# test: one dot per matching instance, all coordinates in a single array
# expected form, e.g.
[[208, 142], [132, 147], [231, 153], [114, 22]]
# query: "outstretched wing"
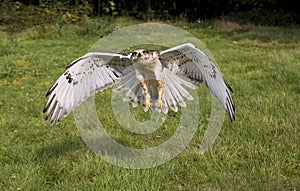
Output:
[[191, 62], [88, 74]]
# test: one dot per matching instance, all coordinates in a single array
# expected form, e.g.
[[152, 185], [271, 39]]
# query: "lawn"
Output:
[[259, 151]]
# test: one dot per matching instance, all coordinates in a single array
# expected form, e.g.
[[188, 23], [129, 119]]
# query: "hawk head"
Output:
[[144, 56]]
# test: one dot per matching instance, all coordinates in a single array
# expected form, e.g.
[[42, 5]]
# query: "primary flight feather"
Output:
[[153, 78]]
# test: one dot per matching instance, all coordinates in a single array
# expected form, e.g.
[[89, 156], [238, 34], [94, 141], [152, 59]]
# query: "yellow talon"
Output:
[[159, 103], [147, 104]]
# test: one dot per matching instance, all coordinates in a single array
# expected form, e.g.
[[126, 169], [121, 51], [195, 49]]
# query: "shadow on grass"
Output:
[[59, 149]]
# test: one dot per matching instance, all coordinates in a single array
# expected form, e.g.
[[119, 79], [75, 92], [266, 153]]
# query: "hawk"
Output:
[[156, 79]]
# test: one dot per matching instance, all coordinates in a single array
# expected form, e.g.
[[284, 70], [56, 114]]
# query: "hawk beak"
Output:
[[139, 54]]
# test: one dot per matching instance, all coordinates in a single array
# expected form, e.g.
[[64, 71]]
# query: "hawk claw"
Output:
[[159, 103], [147, 104]]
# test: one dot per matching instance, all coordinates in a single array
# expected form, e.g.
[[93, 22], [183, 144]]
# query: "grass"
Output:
[[259, 151]]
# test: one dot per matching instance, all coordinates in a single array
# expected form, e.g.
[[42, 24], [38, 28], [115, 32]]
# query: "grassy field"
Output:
[[259, 151]]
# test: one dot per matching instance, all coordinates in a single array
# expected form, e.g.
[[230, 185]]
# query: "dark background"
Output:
[[258, 12]]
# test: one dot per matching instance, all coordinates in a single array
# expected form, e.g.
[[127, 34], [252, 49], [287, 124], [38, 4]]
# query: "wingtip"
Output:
[[232, 118], [228, 86], [230, 111], [44, 110], [49, 102], [51, 89]]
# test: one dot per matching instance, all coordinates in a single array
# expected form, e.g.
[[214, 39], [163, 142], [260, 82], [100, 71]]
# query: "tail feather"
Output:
[[174, 92]]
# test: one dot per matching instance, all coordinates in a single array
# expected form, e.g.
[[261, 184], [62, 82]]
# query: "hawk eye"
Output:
[[146, 51]]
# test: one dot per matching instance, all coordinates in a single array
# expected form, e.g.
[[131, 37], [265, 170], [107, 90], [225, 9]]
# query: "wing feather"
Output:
[[170, 100], [187, 60], [88, 74]]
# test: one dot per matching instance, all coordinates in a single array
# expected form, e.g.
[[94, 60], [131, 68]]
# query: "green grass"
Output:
[[259, 151]]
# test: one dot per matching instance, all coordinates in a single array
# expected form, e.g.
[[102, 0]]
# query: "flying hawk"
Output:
[[154, 78]]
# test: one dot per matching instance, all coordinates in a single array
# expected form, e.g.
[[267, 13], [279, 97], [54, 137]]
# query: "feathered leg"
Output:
[[160, 89], [144, 85]]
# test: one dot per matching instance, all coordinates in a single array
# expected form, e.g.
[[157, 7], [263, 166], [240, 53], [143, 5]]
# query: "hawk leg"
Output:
[[146, 94], [160, 89]]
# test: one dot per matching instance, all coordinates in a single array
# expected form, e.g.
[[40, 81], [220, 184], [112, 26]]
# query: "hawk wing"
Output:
[[88, 74], [194, 64]]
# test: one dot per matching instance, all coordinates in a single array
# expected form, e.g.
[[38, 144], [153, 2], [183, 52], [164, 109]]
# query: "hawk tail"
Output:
[[173, 94]]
